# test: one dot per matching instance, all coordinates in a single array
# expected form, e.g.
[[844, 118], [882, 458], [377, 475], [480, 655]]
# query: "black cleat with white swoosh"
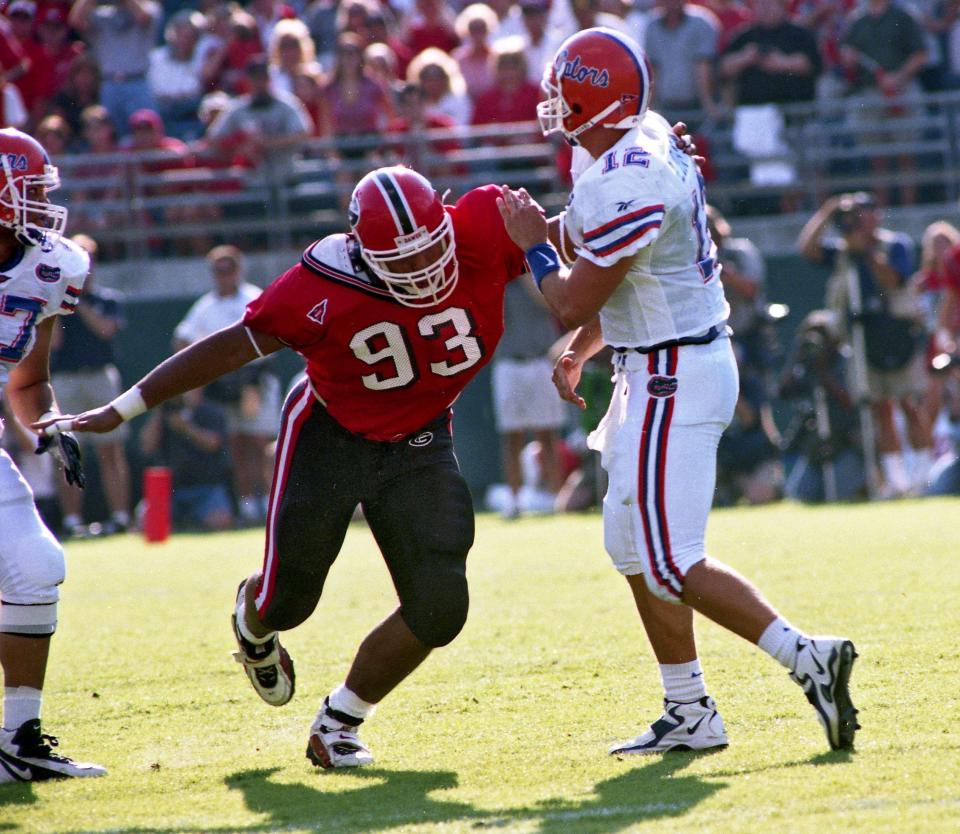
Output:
[[26, 755], [823, 670]]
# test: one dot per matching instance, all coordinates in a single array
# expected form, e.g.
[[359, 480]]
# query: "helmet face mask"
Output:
[[405, 236], [598, 77], [26, 178], [420, 272]]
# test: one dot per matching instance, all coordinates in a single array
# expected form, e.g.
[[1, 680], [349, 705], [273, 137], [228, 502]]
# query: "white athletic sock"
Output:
[[346, 701], [895, 471], [20, 704], [779, 640], [245, 632], [71, 520], [683, 682]]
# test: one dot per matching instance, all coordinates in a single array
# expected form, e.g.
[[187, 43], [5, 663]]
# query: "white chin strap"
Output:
[[595, 120]]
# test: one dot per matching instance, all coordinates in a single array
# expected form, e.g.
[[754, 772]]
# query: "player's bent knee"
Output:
[[35, 566], [668, 583], [438, 615], [665, 592]]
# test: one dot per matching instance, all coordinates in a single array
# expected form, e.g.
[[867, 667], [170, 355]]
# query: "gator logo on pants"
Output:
[[662, 386]]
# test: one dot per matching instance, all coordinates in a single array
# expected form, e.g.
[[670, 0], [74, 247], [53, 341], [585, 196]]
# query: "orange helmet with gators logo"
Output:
[[599, 76], [26, 178]]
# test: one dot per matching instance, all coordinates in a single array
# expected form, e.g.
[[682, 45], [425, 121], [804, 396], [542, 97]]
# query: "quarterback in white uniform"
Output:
[[644, 280], [41, 276]]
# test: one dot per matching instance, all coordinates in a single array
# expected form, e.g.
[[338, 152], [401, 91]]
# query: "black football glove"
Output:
[[66, 451]]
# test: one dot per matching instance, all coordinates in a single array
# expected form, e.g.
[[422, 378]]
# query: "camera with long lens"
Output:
[[851, 206]]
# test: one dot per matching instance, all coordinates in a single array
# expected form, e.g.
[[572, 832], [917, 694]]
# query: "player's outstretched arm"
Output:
[[194, 366]]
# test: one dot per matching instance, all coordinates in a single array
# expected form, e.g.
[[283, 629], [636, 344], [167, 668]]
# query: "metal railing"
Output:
[[148, 205]]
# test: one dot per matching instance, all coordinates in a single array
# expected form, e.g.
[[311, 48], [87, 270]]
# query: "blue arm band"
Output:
[[542, 260]]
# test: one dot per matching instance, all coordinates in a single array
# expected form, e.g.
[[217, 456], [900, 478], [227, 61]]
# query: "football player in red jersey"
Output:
[[393, 319], [41, 277]]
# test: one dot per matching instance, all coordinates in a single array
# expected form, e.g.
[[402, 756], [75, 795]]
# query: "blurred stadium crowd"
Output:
[[204, 96]]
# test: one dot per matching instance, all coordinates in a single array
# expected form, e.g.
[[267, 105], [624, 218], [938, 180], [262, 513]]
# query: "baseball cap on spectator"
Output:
[[52, 14], [146, 118], [27, 7], [535, 5]]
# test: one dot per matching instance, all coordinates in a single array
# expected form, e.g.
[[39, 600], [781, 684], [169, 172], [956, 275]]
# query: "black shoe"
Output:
[[26, 755]]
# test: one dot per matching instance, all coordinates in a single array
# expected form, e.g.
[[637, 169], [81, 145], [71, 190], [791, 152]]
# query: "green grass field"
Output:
[[507, 728]]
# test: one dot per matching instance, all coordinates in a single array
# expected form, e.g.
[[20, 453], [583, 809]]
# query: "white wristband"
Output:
[[129, 404]]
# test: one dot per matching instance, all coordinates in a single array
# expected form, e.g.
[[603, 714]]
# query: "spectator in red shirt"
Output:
[[378, 31], [948, 315], [431, 25], [239, 42], [147, 134], [511, 98], [21, 15], [51, 55], [474, 27], [12, 60], [939, 269], [167, 155]]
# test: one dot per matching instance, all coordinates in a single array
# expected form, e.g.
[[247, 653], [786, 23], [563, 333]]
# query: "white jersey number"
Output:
[[26, 311], [388, 341]]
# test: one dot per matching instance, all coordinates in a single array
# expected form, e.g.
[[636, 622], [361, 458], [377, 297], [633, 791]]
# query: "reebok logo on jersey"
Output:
[[625, 205], [662, 386], [422, 439], [48, 274]]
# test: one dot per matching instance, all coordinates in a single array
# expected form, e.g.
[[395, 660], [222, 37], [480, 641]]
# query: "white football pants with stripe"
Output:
[[31, 560], [658, 442]]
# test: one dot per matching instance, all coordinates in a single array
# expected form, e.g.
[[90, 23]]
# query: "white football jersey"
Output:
[[43, 283], [643, 199]]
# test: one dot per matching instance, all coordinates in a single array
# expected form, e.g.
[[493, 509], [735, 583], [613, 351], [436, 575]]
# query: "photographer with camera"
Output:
[[868, 288], [822, 442], [189, 434]]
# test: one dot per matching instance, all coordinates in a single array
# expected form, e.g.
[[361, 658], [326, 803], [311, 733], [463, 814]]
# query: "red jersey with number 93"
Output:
[[382, 369]]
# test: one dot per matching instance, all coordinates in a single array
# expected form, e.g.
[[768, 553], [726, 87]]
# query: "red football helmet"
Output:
[[598, 77], [27, 177], [405, 235]]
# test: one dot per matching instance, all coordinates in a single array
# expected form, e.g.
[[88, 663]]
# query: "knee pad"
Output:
[[31, 568], [437, 611]]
